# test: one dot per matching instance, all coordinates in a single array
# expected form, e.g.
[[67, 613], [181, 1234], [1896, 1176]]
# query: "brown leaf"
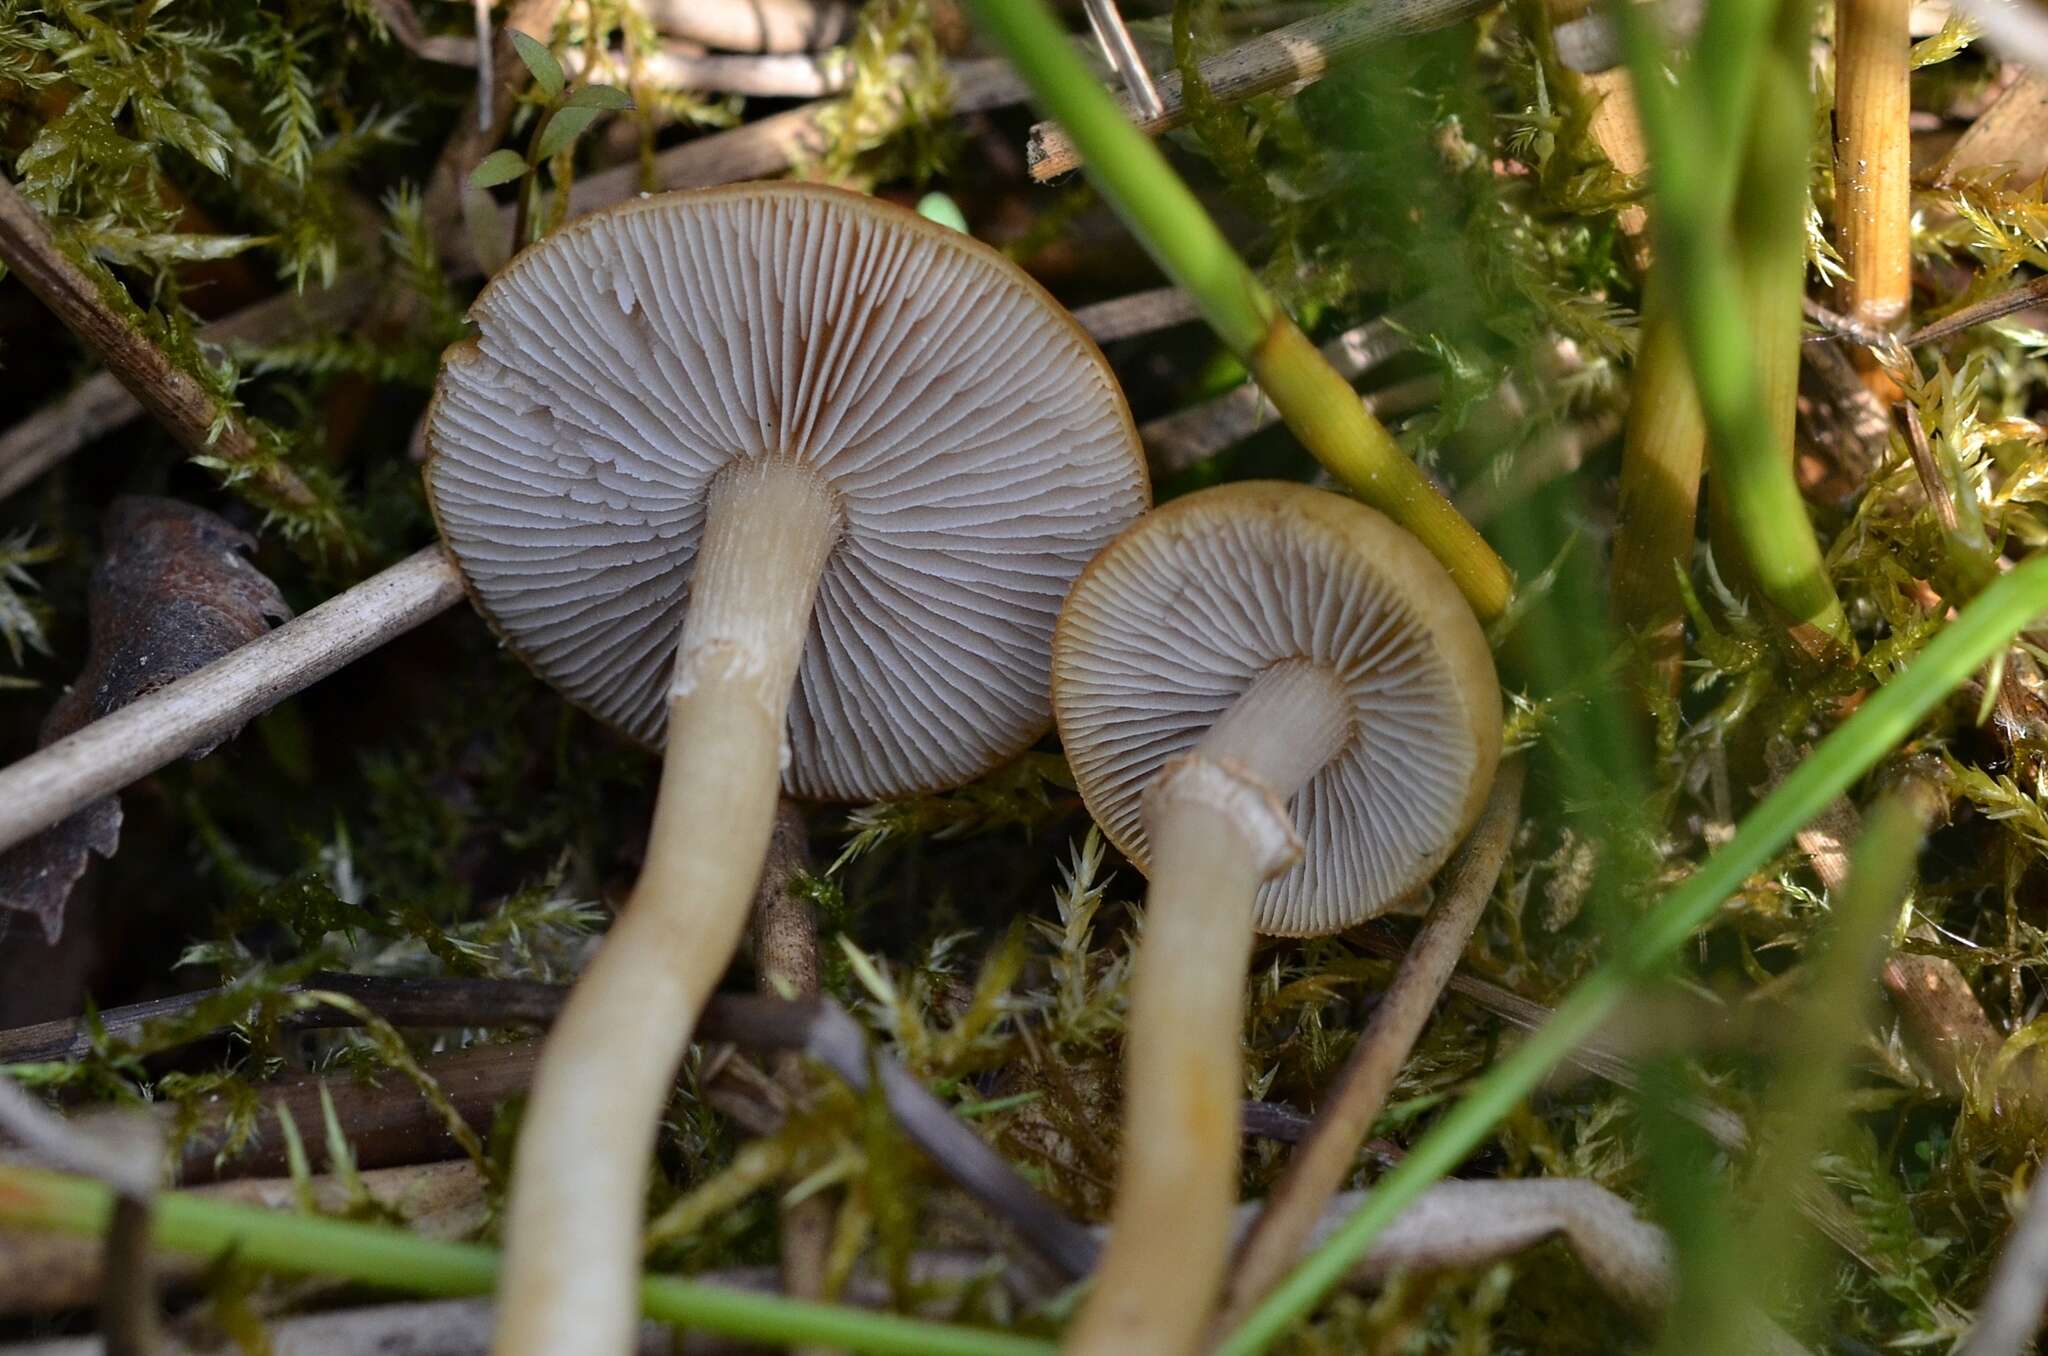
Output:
[[174, 591]]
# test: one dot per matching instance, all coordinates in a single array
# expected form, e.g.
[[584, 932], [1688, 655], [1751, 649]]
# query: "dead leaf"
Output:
[[174, 591]]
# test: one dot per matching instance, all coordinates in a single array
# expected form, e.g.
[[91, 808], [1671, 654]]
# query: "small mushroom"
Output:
[[1280, 707], [790, 483]]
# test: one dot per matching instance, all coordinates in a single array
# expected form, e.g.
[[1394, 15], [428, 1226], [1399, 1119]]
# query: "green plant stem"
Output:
[[383, 1256], [1666, 439], [1752, 464], [1811, 1078], [1891, 713], [1663, 450], [1314, 401]]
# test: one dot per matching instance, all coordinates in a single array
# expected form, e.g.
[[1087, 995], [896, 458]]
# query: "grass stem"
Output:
[[1313, 400], [1977, 635], [1751, 454], [378, 1255], [1873, 203]]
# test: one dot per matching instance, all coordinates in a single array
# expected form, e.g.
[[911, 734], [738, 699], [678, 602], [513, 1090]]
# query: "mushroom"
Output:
[[1279, 706], [789, 483]]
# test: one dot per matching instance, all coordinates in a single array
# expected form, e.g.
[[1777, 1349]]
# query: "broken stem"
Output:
[[608, 1068]]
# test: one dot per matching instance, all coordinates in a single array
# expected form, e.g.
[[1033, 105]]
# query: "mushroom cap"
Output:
[[976, 440], [1173, 622]]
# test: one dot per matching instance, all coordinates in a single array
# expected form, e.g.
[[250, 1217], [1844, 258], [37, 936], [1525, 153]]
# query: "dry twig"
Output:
[[143, 736], [1285, 60], [818, 1028], [100, 404], [187, 410], [1322, 1162], [755, 25]]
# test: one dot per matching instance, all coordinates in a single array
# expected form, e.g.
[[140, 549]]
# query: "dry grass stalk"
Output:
[[1873, 150]]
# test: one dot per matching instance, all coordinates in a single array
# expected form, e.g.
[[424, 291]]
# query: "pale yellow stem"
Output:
[[1217, 828], [573, 1223]]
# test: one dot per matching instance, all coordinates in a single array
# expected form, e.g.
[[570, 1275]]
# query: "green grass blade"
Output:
[[1891, 713], [1316, 403], [383, 1256]]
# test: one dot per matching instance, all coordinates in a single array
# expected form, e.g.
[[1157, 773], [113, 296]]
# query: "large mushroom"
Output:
[[1280, 707], [790, 483]]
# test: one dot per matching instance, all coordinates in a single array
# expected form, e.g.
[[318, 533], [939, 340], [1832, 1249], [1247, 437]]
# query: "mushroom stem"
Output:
[[1218, 829], [605, 1076], [1291, 720]]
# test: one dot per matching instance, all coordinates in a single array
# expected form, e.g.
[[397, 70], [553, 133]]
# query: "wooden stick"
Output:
[[1285, 59], [819, 1028], [755, 25], [202, 708], [1322, 1162], [172, 396], [100, 404], [1873, 146], [2033, 293], [1137, 313]]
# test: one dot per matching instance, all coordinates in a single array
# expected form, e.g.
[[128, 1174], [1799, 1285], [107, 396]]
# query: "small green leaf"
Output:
[[563, 129], [490, 235], [547, 72], [499, 167], [610, 98], [936, 206]]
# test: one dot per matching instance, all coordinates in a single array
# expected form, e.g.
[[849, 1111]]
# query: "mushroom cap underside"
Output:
[[974, 438], [1176, 618]]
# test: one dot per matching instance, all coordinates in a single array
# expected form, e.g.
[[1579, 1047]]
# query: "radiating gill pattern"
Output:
[[1178, 618], [979, 446]]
